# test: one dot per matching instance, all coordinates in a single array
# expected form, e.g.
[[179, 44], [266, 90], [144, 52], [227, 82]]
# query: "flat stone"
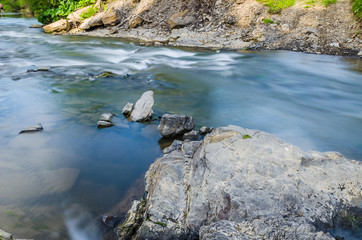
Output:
[[104, 124], [36, 128]]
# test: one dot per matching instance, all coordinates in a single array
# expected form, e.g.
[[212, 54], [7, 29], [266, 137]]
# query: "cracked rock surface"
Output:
[[231, 187]]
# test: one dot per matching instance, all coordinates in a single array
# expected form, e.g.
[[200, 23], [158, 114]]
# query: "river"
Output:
[[56, 184]]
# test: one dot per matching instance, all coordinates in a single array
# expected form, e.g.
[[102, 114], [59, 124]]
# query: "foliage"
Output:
[[268, 21], [328, 2], [246, 136], [357, 8], [47, 10], [275, 6], [91, 11]]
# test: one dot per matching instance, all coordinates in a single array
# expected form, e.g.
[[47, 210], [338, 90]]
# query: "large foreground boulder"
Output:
[[142, 110], [172, 125], [243, 184], [58, 26]]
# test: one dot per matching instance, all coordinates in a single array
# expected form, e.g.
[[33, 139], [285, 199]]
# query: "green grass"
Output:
[[276, 6], [268, 21], [328, 2], [91, 11], [357, 8]]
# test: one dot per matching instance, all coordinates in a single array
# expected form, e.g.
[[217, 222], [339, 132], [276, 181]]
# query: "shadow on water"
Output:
[[57, 184]]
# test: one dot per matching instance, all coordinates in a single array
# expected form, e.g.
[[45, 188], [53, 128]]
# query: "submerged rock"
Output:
[[143, 108], [172, 125], [127, 109], [36, 128], [39, 69], [110, 220], [105, 120], [229, 186]]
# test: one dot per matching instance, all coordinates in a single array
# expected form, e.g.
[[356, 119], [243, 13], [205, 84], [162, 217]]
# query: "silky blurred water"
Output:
[[57, 183]]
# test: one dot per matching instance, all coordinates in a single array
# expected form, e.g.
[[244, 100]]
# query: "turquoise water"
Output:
[[56, 184]]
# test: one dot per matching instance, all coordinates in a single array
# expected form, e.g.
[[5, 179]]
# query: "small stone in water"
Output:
[[127, 109], [106, 117], [104, 124], [36, 128]]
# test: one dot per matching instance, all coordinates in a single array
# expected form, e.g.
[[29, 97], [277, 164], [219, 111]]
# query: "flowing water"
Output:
[[55, 184]]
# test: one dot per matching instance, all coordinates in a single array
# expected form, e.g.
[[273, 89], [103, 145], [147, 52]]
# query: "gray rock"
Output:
[[106, 117], [176, 145], [181, 19], [104, 124], [229, 186], [143, 109], [127, 109], [192, 136], [36, 128], [172, 125], [105, 120], [205, 130], [5, 235]]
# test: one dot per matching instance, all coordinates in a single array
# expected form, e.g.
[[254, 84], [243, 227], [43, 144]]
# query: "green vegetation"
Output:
[[158, 223], [276, 6], [328, 2], [268, 21], [246, 136], [357, 8], [46, 11], [91, 11]]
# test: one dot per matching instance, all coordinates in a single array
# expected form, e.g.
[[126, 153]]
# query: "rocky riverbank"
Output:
[[235, 24], [240, 183]]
